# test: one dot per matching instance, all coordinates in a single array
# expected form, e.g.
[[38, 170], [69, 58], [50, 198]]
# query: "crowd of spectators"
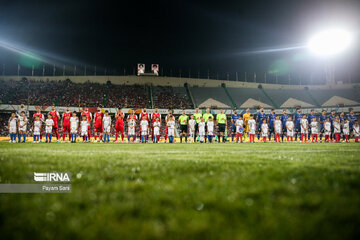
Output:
[[31, 92], [67, 93], [83, 94], [166, 97], [127, 96]]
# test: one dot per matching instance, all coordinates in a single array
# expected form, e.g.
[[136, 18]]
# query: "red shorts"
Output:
[[55, 128], [98, 128], [66, 128], [166, 131], [119, 128]]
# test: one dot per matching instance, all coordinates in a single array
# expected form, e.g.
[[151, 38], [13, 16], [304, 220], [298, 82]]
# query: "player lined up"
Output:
[[197, 126]]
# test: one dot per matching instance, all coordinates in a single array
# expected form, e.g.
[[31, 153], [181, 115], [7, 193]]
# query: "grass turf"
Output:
[[185, 191]]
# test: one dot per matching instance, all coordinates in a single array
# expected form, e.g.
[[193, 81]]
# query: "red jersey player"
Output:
[[119, 125], [167, 118], [66, 123], [89, 118], [98, 128], [42, 119], [55, 117], [154, 116]]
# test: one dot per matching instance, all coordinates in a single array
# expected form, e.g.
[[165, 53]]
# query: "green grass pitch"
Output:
[[185, 191]]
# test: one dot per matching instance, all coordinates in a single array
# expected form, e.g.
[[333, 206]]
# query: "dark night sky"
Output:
[[176, 34]]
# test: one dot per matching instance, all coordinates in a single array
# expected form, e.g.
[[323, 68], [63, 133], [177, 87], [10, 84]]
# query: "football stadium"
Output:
[[185, 130]]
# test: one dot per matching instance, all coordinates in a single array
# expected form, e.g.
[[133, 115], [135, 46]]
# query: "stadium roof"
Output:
[[292, 102], [250, 103], [210, 102], [336, 100]]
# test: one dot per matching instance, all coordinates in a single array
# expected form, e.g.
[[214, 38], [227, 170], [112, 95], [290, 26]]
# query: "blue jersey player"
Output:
[[271, 121], [352, 119], [234, 118], [297, 119], [260, 117], [322, 120], [284, 118]]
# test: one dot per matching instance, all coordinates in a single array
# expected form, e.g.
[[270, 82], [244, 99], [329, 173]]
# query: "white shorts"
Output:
[[73, 130], [12, 129], [304, 131], [264, 134], [290, 133], [22, 128], [156, 131], [327, 133], [84, 133], [252, 131], [201, 133], [37, 132], [48, 129], [171, 132], [106, 129], [346, 132], [144, 133], [131, 131], [191, 132], [211, 133]]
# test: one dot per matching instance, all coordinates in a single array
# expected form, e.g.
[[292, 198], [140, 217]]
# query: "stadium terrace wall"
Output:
[[174, 82], [10, 108]]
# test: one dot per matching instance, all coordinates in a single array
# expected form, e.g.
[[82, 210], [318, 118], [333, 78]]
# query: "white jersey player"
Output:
[[131, 127], [314, 125], [192, 123], [201, 126], [210, 127], [22, 122], [156, 126], [74, 123], [252, 126], [171, 127], [106, 123], [304, 125], [290, 128], [144, 124], [346, 128], [84, 127], [278, 126], [12, 124], [239, 126], [264, 130], [49, 123]]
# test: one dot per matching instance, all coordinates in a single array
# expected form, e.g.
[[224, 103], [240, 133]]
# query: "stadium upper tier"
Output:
[[167, 92]]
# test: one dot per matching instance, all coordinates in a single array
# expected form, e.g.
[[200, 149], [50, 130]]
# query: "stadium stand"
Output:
[[127, 96], [169, 97], [201, 94]]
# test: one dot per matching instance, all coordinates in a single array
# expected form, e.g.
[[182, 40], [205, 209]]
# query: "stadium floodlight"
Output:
[[330, 42]]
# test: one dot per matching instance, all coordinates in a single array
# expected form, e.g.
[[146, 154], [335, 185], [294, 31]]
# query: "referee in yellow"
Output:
[[183, 121], [206, 118], [221, 122]]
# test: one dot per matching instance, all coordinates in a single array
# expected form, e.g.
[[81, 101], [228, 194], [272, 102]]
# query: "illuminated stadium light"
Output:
[[330, 42]]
